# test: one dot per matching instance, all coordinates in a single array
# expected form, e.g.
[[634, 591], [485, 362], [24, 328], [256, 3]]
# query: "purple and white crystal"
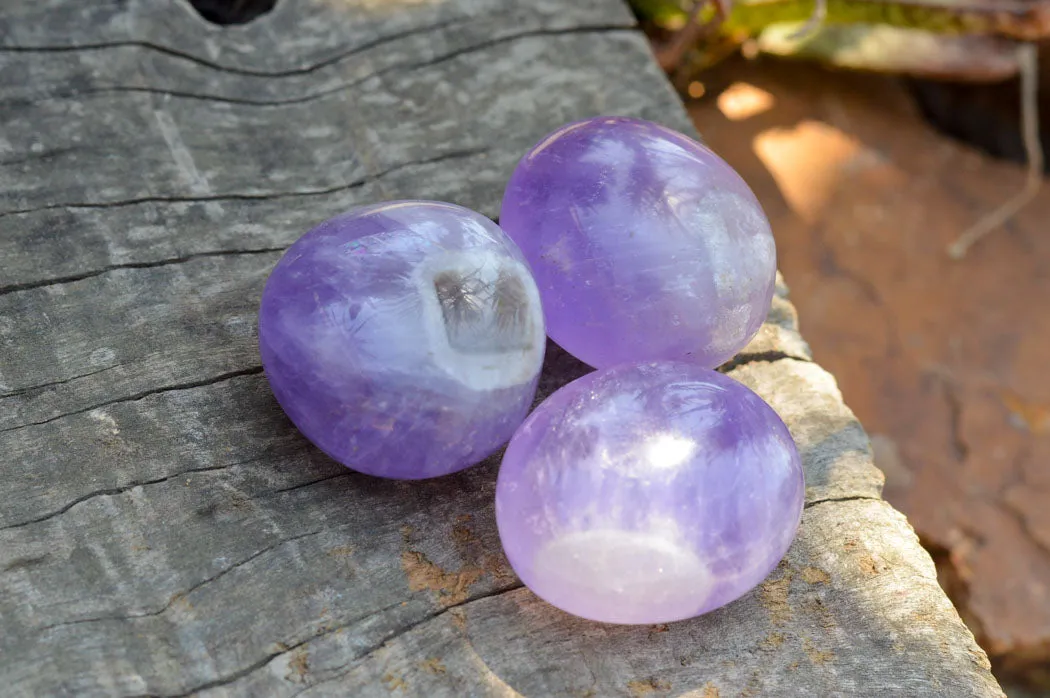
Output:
[[648, 493], [404, 339], [645, 245]]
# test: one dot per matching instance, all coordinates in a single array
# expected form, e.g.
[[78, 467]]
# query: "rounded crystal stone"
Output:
[[645, 245], [404, 339], [648, 493]]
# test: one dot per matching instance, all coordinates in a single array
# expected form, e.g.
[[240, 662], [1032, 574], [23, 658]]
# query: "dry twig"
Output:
[[1027, 59]]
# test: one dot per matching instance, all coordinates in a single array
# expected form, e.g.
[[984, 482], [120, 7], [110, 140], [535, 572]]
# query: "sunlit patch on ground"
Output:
[[741, 101]]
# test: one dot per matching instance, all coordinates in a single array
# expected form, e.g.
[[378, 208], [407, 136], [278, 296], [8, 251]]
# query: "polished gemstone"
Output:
[[644, 244], [647, 493], [404, 339]]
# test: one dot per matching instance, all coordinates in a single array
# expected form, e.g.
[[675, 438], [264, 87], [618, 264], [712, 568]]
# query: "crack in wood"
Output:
[[735, 363], [178, 94], [260, 663], [14, 288], [52, 384], [183, 594], [254, 370], [851, 498], [483, 45], [311, 483], [205, 63], [745, 358], [412, 626], [344, 87], [263, 196], [109, 492], [314, 67], [363, 656]]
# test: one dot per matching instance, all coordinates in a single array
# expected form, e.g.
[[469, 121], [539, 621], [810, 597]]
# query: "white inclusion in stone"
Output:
[[735, 253], [706, 220], [757, 255], [729, 328], [483, 319], [621, 576]]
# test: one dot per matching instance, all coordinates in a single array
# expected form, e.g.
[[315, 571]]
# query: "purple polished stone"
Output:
[[645, 244], [647, 493], [404, 339]]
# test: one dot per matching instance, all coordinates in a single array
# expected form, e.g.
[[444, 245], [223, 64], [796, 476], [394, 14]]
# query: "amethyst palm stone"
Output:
[[645, 245], [404, 339], [648, 493]]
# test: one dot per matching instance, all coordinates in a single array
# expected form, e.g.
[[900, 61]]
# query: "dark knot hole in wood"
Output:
[[232, 11]]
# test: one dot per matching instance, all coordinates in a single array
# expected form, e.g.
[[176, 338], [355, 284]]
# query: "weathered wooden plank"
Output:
[[313, 158], [163, 528], [818, 626]]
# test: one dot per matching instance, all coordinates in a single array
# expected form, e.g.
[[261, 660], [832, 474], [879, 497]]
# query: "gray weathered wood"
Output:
[[163, 528]]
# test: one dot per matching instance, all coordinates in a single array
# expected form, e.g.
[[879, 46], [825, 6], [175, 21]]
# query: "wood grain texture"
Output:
[[163, 528]]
